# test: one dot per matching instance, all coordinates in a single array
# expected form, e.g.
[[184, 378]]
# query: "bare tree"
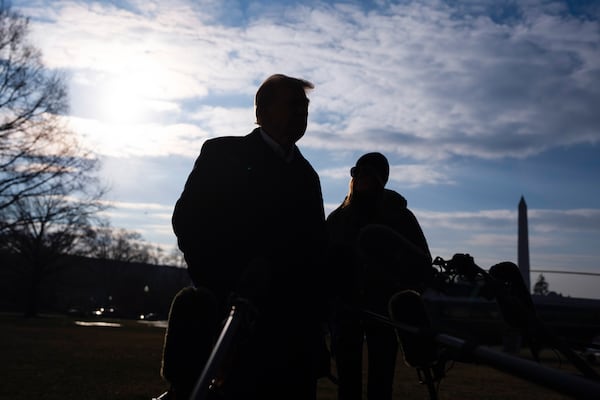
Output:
[[541, 286], [106, 242], [49, 191], [174, 258], [35, 148]]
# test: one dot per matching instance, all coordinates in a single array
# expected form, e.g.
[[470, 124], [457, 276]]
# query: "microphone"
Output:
[[519, 311], [513, 297], [189, 338], [393, 259], [418, 348], [516, 305]]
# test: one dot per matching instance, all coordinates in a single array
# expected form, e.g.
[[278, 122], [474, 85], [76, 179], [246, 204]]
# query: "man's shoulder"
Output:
[[228, 140], [228, 146]]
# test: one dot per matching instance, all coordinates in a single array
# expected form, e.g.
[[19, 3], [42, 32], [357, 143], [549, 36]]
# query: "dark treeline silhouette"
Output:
[[81, 285], [33, 261]]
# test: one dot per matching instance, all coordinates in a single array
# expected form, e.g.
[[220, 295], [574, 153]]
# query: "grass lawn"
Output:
[[51, 357]]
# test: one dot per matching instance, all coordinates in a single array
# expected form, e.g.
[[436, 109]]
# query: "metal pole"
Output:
[[221, 352], [430, 383], [571, 385]]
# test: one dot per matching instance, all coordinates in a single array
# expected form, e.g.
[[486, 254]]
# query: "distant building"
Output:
[[523, 245]]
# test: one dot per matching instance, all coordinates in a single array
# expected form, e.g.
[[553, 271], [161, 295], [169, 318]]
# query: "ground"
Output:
[[52, 358]]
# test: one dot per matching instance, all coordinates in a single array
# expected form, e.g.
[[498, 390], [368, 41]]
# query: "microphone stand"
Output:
[[426, 373], [428, 380], [240, 315]]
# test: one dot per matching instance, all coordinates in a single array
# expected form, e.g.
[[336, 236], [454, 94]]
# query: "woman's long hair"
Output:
[[348, 198]]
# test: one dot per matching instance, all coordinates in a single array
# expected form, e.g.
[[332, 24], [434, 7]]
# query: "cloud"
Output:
[[407, 175], [428, 80], [123, 139], [154, 207], [558, 238], [467, 221], [560, 221], [222, 121], [541, 221], [151, 220]]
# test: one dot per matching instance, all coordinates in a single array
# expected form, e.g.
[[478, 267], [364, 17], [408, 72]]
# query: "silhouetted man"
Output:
[[250, 220]]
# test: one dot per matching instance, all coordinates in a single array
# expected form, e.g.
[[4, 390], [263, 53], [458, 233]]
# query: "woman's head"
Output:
[[369, 175]]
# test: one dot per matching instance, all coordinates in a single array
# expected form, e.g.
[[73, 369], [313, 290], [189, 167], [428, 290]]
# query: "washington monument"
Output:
[[523, 249]]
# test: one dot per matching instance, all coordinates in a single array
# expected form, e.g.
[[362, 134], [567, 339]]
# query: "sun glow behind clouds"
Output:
[[121, 101], [130, 101], [142, 139], [133, 87]]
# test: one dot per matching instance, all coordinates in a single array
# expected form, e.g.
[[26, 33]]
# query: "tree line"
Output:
[[51, 197]]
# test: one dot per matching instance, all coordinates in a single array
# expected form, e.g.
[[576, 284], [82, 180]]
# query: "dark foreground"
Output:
[[52, 358]]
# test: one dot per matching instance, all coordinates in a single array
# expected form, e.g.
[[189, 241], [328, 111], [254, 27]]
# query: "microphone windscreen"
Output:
[[418, 348], [514, 300], [392, 258], [509, 273], [190, 335]]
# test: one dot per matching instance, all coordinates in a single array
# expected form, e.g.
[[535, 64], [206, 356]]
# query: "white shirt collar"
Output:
[[276, 147]]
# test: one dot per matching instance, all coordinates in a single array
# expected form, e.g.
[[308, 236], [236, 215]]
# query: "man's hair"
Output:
[[268, 90]]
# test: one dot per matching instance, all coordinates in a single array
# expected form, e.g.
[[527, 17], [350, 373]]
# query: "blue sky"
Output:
[[475, 103]]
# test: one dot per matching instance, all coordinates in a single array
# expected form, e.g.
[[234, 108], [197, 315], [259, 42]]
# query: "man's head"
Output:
[[282, 108]]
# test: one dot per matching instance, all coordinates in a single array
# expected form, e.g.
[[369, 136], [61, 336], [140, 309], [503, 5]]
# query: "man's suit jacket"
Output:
[[243, 203]]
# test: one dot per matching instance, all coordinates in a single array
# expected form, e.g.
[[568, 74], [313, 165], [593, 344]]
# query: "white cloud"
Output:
[[559, 221], [407, 175], [539, 221], [467, 221], [154, 207], [423, 81], [222, 121], [151, 220], [123, 139]]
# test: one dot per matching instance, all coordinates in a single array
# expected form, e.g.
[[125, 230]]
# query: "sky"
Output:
[[474, 103]]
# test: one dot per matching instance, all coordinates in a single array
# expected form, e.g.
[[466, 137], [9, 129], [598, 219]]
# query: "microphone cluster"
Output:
[[504, 283]]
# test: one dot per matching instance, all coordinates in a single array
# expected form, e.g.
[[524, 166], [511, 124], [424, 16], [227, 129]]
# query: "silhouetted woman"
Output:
[[376, 249]]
